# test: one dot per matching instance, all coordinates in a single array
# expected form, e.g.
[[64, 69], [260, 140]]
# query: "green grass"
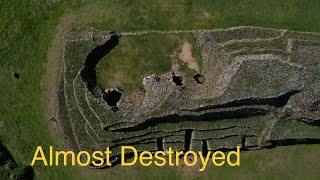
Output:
[[138, 56], [295, 162], [186, 14], [26, 31]]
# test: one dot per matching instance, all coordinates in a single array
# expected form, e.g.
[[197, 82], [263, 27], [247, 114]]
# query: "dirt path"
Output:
[[53, 65], [50, 80], [186, 56]]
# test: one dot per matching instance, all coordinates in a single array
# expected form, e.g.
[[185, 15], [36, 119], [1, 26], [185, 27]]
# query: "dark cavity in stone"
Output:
[[112, 97], [243, 143], [197, 78], [88, 73], [204, 147], [187, 137], [177, 79], [160, 144]]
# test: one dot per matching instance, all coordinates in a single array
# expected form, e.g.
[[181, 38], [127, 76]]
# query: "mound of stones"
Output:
[[261, 90]]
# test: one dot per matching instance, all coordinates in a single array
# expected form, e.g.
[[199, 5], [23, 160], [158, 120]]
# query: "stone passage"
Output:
[[112, 97], [160, 144], [204, 146], [88, 72], [187, 137]]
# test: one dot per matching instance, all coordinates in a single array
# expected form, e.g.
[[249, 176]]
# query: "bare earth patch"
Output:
[[117, 79], [175, 67], [186, 56], [50, 79]]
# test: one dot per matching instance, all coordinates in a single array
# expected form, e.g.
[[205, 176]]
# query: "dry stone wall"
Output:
[[261, 89]]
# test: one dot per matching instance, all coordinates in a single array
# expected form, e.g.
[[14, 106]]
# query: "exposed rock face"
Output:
[[261, 90]]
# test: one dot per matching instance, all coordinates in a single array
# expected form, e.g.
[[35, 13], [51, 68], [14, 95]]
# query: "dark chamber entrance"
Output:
[[112, 97], [204, 147], [198, 78], [177, 79], [160, 144], [187, 137]]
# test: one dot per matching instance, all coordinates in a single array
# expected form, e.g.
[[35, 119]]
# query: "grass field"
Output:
[[26, 32], [138, 56]]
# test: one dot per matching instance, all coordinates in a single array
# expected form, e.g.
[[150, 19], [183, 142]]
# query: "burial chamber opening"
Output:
[[177, 79], [198, 78], [187, 138], [205, 147], [160, 144], [112, 96]]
